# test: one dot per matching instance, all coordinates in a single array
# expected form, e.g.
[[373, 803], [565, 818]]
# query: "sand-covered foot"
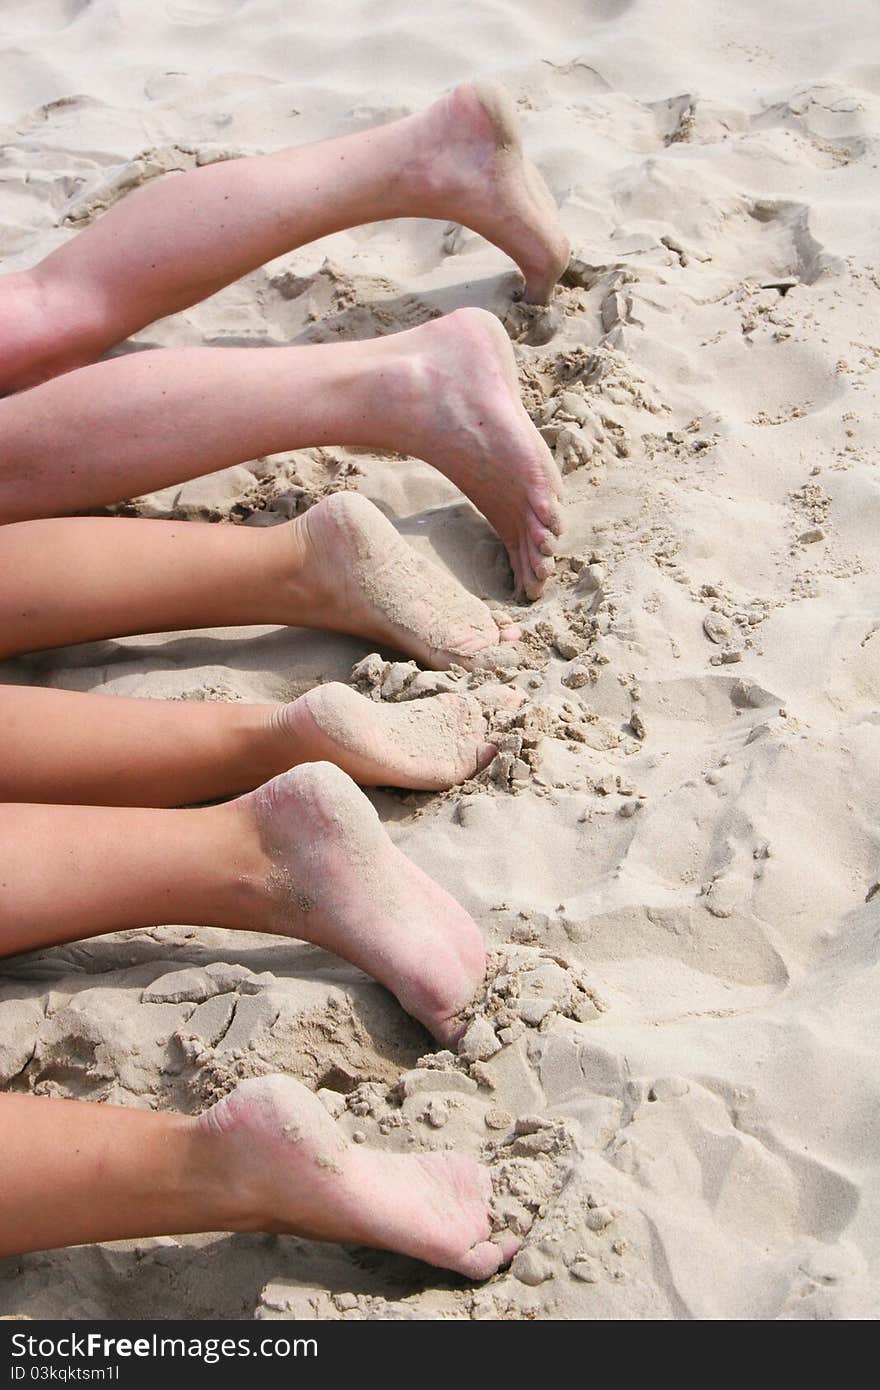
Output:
[[463, 414], [425, 744], [472, 162], [350, 571], [297, 1173], [333, 877]]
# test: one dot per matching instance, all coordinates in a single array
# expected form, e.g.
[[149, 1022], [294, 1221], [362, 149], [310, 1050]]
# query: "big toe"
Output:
[[485, 755], [507, 655], [539, 285], [487, 1257]]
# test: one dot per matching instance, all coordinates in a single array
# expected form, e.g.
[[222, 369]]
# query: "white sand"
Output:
[[721, 438]]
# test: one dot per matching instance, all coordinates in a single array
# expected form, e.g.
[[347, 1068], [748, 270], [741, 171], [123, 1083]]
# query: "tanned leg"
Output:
[[340, 567], [268, 1157], [304, 856], [106, 750]]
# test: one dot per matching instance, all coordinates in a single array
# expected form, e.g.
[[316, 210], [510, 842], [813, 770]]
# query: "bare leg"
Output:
[[304, 855], [62, 746], [446, 392], [178, 240], [266, 1158], [340, 567]]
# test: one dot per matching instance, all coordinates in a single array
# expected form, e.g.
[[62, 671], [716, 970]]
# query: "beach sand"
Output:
[[677, 855]]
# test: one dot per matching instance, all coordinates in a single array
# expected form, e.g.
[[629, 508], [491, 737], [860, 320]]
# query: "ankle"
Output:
[[308, 563], [399, 386], [241, 888], [224, 1184], [290, 573], [267, 742], [58, 326], [402, 156], [284, 1163], [285, 742]]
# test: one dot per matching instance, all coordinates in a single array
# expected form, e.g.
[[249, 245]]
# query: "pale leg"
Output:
[[182, 238], [446, 392]]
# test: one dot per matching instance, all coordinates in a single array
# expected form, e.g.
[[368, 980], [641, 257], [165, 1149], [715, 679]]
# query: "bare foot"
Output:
[[352, 572], [473, 164], [278, 1145], [426, 744], [332, 876], [458, 407]]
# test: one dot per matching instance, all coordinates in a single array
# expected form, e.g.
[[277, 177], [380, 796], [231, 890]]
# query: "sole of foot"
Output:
[[426, 745], [353, 573], [330, 875], [467, 420]]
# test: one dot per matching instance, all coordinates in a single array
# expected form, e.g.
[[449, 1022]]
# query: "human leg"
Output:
[[303, 856], [107, 750], [267, 1157], [446, 392], [183, 237], [341, 567]]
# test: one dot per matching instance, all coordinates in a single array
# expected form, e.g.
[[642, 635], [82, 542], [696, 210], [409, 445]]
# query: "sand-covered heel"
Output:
[[499, 107]]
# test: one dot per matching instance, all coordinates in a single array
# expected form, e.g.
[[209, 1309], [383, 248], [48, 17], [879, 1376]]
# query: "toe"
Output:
[[554, 519], [481, 639], [485, 754], [508, 655], [533, 570], [541, 536], [523, 572], [542, 565], [474, 654], [497, 699], [532, 553], [482, 1260], [508, 1244], [545, 506]]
